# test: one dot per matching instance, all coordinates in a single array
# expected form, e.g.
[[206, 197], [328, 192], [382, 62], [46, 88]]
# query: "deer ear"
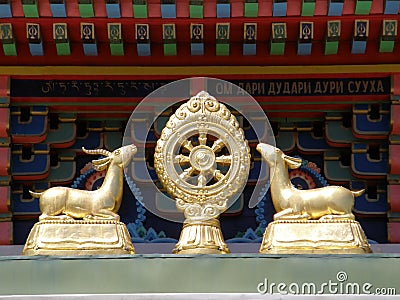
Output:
[[100, 168], [100, 164], [293, 162]]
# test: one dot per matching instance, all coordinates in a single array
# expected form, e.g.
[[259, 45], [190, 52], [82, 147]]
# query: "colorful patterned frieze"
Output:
[[63, 136], [113, 140], [310, 137], [278, 38], [142, 33], [89, 136], [63, 167], [115, 38], [306, 35], [58, 8], [159, 124], [168, 9], [30, 162], [255, 169], [109, 44], [33, 34], [86, 9], [332, 37], [8, 39], [140, 132], [197, 39], [31, 9], [335, 7], [256, 173], [28, 124], [169, 39], [89, 41], [248, 130], [371, 121], [391, 7], [370, 161], [140, 171], [361, 32], [222, 39], [113, 9], [374, 201], [193, 8], [388, 37], [337, 166], [22, 202], [196, 9], [223, 9], [61, 39], [286, 140], [338, 130], [61, 130], [5, 9], [249, 39]]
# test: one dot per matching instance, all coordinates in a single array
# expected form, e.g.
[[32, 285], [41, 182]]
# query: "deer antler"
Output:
[[97, 151]]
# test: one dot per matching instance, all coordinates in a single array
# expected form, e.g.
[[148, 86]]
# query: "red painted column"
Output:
[[6, 224], [394, 162]]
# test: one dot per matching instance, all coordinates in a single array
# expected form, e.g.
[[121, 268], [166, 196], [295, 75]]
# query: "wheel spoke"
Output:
[[181, 159], [218, 145], [224, 160], [186, 173], [218, 175], [187, 145], [202, 180], [203, 138]]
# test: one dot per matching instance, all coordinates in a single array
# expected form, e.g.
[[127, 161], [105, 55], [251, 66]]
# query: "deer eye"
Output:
[[117, 152]]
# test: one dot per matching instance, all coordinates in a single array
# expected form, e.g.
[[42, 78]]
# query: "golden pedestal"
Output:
[[203, 237], [314, 236], [78, 237]]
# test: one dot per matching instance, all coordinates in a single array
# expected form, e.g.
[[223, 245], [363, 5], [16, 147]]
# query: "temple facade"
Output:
[[326, 73]]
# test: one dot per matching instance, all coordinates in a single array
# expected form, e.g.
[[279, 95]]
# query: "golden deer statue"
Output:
[[330, 202], [103, 203]]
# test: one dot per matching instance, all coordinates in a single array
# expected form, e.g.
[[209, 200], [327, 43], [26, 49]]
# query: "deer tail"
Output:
[[358, 193], [35, 195]]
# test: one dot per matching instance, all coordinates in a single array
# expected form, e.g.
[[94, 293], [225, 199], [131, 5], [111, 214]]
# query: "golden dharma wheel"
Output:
[[202, 156]]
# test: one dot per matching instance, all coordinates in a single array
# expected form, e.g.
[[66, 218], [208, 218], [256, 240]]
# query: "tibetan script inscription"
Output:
[[84, 88]]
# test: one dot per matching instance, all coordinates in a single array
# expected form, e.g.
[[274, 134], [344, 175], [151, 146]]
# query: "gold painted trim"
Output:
[[200, 70]]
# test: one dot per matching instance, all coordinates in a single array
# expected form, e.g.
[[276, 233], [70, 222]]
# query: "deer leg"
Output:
[[283, 213], [287, 214], [105, 214], [44, 216], [331, 217]]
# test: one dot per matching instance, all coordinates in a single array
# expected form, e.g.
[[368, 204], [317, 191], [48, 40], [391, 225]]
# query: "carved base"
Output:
[[77, 237], [203, 237], [313, 236]]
